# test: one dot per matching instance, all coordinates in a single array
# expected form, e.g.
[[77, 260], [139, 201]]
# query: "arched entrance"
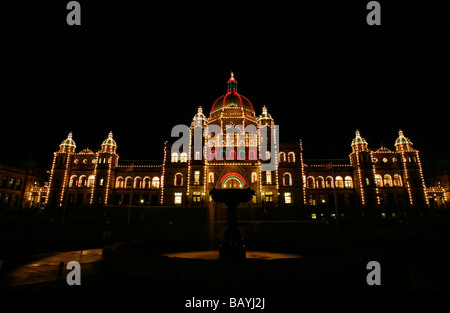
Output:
[[232, 180]]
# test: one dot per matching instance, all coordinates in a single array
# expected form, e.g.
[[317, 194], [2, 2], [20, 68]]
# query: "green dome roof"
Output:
[[109, 141], [232, 98], [69, 141]]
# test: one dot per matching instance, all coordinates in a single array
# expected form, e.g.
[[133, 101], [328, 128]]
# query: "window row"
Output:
[[329, 182], [138, 182], [11, 183], [387, 180]]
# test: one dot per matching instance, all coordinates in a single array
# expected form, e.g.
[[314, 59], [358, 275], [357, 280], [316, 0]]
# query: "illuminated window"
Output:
[[329, 182], [268, 197], [287, 198], [291, 157], [155, 182], [197, 178], [320, 182], [313, 216], [348, 182], [184, 157], [287, 179], [196, 197], [128, 182], [82, 181], [178, 179], [310, 182], [73, 181], [91, 181], [397, 180], [312, 200], [254, 177], [339, 182], [137, 182], [387, 180], [378, 180], [174, 157], [268, 178], [211, 178], [178, 197], [119, 182], [146, 182], [197, 155]]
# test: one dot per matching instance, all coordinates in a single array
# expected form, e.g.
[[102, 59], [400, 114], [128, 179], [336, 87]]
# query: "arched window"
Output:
[[155, 182], [339, 182], [211, 178], [310, 182], [91, 181], [254, 177], [320, 182], [329, 182], [178, 179], [231, 155], [73, 181], [183, 157], [291, 157], [82, 181], [119, 182], [348, 182], [137, 182], [387, 180], [282, 157], [287, 179], [397, 180], [146, 182], [174, 157], [251, 154], [378, 180], [128, 182]]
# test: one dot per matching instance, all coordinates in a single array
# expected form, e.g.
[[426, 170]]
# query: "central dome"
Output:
[[232, 99]]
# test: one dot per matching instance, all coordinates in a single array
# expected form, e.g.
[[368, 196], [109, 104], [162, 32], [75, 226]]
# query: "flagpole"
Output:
[[335, 198]]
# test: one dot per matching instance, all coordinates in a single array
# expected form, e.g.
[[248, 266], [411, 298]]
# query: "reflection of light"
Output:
[[214, 255]]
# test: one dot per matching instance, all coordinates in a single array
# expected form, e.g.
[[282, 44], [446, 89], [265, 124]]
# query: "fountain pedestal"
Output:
[[232, 246]]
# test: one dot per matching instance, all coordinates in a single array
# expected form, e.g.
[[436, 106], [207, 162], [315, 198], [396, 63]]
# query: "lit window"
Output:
[[387, 180], [313, 216], [178, 180], [287, 198], [254, 177], [178, 197], [196, 177], [174, 157], [268, 178], [348, 182], [287, 179], [397, 180], [184, 157], [155, 182], [196, 197], [378, 180], [339, 182]]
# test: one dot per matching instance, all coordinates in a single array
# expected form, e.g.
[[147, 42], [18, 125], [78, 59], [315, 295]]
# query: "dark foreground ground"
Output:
[[414, 258]]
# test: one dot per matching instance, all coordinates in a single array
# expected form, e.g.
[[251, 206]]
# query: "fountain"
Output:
[[232, 246], [170, 261]]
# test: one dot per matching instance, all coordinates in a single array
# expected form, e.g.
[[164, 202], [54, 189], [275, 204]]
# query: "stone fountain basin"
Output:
[[171, 261]]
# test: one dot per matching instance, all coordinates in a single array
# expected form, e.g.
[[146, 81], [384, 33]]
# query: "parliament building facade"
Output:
[[372, 182]]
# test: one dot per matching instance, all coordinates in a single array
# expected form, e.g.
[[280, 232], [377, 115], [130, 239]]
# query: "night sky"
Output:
[[140, 68]]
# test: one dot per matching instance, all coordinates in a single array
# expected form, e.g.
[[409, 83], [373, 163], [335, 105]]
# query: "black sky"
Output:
[[139, 68]]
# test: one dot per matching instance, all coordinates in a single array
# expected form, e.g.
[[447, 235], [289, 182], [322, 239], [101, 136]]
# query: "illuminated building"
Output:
[[371, 182]]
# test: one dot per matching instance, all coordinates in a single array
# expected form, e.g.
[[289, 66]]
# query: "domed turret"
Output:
[[232, 99], [359, 143], [402, 143], [68, 145], [109, 145], [199, 118]]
